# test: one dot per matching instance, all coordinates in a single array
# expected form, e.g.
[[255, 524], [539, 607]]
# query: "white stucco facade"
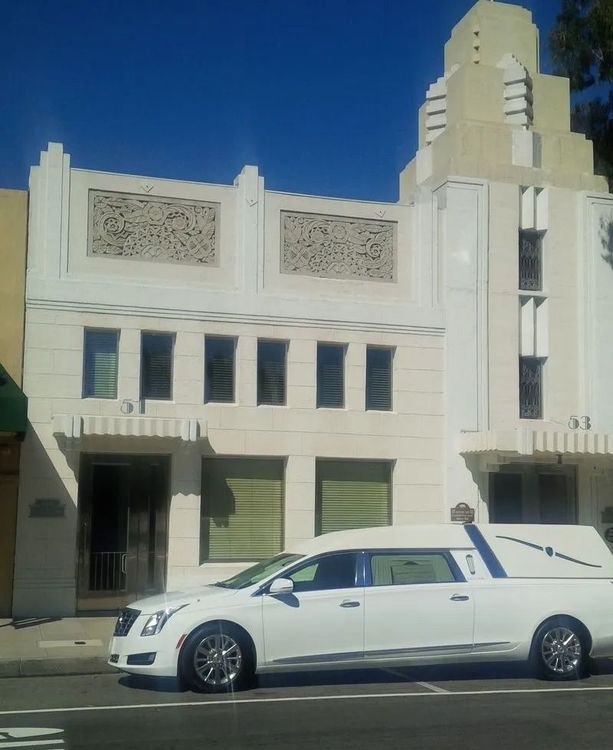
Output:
[[433, 277]]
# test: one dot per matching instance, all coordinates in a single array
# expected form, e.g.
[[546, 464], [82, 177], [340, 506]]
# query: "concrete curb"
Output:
[[55, 667]]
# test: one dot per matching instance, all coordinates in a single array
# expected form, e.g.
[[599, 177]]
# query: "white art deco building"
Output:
[[217, 372]]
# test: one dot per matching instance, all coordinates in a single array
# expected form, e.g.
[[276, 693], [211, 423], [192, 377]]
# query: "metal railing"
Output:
[[107, 571], [530, 388], [530, 260]]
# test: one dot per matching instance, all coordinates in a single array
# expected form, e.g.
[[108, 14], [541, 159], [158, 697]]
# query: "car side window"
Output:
[[330, 572], [400, 568]]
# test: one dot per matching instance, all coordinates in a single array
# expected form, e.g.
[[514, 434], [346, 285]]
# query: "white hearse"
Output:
[[393, 595]]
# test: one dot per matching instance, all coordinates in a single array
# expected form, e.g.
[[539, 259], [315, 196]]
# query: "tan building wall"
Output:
[[13, 222]]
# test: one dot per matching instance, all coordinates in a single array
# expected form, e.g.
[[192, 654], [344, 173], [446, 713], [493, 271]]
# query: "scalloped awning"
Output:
[[13, 406], [526, 442], [75, 427]]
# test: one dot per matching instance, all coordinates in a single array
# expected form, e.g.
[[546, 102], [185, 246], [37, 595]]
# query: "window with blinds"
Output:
[[241, 509], [219, 355], [379, 378], [330, 376], [156, 366], [352, 495], [272, 357], [100, 363]]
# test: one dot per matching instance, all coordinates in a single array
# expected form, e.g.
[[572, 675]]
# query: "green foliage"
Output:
[[581, 47]]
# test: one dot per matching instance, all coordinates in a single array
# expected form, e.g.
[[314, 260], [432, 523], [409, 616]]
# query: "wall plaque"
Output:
[[48, 507], [152, 228], [463, 513], [337, 247]]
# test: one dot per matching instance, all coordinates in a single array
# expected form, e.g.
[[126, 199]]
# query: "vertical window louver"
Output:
[[100, 364], [352, 495], [379, 378], [219, 354], [330, 376], [156, 365], [241, 509], [272, 356]]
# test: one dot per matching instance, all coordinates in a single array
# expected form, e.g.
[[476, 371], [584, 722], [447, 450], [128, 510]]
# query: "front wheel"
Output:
[[216, 658], [559, 650]]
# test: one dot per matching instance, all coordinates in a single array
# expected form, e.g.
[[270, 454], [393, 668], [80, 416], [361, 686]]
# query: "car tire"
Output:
[[560, 650], [217, 658]]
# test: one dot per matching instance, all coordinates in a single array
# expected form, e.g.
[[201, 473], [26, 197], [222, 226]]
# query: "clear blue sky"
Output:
[[321, 94]]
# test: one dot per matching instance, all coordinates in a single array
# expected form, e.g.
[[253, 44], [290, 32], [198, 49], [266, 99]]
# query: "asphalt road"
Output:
[[459, 709]]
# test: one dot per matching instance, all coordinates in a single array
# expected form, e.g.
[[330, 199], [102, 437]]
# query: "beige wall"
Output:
[[13, 215]]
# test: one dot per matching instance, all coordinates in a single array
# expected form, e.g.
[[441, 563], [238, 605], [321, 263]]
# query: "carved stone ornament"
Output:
[[163, 230], [337, 247]]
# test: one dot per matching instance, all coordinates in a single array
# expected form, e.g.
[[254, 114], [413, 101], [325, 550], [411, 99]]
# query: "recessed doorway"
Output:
[[123, 521]]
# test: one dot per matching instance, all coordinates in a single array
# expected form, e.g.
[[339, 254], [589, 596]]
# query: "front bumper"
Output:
[[155, 655]]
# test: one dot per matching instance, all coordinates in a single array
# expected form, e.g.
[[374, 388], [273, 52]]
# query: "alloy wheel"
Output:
[[218, 659], [561, 650]]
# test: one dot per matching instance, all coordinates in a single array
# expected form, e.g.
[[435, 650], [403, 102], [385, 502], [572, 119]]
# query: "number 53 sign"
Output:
[[580, 423]]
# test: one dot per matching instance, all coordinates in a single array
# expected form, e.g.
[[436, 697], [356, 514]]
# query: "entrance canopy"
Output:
[[13, 406], [76, 427], [527, 442]]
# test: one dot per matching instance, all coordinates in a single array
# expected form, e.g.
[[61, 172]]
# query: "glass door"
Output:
[[123, 503]]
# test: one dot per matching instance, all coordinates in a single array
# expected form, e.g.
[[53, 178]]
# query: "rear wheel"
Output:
[[217, 658], [559, 650]]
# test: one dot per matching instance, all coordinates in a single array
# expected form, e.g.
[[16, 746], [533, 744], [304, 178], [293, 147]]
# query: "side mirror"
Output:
[[281, 586]]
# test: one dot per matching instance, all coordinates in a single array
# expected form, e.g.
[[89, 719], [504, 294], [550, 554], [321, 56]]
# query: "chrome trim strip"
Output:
[[317, 658], [353, 655]]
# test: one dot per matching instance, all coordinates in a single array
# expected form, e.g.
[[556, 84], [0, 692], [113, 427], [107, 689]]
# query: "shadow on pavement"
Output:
[[29, 622], [388, 676], [155, 684], [396, 675]]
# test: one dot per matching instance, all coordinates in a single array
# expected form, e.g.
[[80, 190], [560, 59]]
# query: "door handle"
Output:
[[124, 563], [459, 598], [349, 603]]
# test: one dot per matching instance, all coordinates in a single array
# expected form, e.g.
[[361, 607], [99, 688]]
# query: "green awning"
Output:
[[13, 405]]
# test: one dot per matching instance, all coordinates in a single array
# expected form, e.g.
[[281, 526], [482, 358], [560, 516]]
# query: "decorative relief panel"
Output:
[[164, 230], [338, 247]]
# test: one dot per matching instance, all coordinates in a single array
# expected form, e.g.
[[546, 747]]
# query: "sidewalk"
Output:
[[55, 646]]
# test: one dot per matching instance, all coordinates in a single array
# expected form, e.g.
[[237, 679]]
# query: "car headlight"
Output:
[[157, 620]]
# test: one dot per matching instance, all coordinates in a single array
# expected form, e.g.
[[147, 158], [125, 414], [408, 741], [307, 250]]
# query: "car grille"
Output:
[[126, 619]]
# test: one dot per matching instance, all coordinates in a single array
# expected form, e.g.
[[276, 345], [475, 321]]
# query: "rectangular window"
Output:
[[241, 509], [156, 366], [330, 376], [379, 378], [402, 568], [272, 356], [352, 495], [530, 260], [219, 356], [100, 363], [530, 388]]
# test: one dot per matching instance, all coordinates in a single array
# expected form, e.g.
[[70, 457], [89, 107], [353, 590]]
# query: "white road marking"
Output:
[[33, 743], [18, 733], [407, 678], [70, 644], [434, 688], [305, 698]]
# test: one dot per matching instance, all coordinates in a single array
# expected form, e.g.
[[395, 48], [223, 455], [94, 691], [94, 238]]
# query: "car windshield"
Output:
[[258, 572]]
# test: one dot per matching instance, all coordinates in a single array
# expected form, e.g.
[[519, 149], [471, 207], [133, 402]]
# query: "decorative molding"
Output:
[[517, 91], [152, 229], [337, 247], [436, 106], [234, 318]]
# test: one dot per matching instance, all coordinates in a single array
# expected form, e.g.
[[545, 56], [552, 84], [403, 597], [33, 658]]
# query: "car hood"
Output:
[[176, 598]]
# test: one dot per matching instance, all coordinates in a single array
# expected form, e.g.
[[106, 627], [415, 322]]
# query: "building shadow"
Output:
[[29, 622], [606, 238]]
